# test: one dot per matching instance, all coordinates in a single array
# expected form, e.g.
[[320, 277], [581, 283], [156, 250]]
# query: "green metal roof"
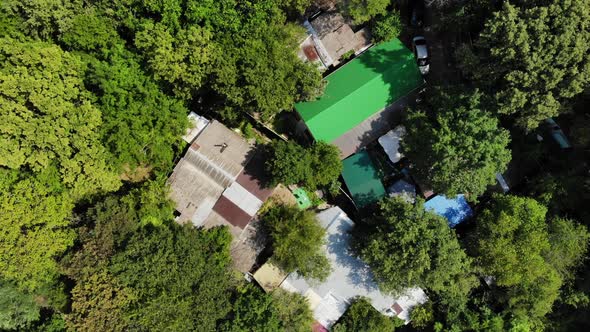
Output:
[[361, 179], [366, 85]]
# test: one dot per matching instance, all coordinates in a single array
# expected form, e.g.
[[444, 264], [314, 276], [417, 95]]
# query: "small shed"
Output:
[[455, 210], [362, 179]]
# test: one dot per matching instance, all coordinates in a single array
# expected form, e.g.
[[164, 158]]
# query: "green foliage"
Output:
[[422, 315], [17, 309], [181, 59], [34, 222], [386, 27], [314, 167], [293, 311], [532, 58], [48, 117], [362, 317], [512, 241], [44, 18], [297, 241], [182, 284], [407, 246], [92, 33], [364, 10], [98, 304], [569, 245], [141, 125], [253, 310], [460, 148]]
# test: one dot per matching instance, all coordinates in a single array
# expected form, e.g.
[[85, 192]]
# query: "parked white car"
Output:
[[421, 52]]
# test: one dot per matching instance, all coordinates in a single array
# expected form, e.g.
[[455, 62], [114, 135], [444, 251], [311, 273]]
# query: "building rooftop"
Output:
[[455, 210], [335, 36], [350, 278], [363, 87], [218, 181], [361, 179]]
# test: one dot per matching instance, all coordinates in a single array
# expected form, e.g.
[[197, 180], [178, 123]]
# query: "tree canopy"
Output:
[[297, 240], [455, 146], [363, 10], [407, 246], [517, 248], [361, 316], [291, 163], [532, 56]]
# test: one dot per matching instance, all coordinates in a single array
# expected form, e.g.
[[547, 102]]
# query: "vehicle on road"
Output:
[[420, 49]]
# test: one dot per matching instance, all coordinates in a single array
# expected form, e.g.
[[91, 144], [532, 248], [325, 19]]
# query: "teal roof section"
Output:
[[364, 86], [362, 179]]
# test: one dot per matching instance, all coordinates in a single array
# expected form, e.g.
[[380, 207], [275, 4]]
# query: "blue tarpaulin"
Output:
[[454, 210]]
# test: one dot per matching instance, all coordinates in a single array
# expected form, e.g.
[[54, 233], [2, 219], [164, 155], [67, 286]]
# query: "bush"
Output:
[[386, 27]]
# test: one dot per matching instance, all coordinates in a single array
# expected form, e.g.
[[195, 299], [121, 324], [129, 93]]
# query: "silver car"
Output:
[[421, 53]]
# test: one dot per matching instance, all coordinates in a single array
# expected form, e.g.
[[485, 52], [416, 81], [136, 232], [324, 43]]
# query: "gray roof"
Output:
[[350, 276], [206, 170]]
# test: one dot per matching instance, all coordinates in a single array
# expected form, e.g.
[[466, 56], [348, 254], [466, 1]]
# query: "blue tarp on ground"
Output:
[[454, 210]]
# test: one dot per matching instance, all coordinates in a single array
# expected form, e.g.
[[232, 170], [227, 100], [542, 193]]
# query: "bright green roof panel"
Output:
[[361, 179], [366, 85]]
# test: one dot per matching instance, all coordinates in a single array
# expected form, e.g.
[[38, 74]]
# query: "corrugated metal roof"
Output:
[[361, 88], [231, 212]]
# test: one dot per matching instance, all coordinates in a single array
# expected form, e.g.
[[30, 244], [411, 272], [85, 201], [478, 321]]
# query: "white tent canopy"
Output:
[[391, 142]]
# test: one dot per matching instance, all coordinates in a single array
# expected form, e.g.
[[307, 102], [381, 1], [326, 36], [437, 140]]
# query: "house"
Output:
[[219, 181], [330, 37], [350, 278], [362, 179], [455, 210], [362, 98]]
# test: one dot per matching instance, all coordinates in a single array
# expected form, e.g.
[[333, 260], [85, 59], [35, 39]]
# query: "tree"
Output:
[[293, 311], [180, 276], [290, 163], [386, 27], [48, 117], [407, 246], [363, 10], [17, 309], [297, 241], [361, 316], [531, 58], [44, 18], [422, 315], [99, 303], [512, 238], [35, 224], [181, 59], [253, 310], [459, 148], [569, 245], [141, 125]]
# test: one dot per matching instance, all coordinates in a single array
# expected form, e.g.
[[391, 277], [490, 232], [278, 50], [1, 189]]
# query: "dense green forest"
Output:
[[94, 97]]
